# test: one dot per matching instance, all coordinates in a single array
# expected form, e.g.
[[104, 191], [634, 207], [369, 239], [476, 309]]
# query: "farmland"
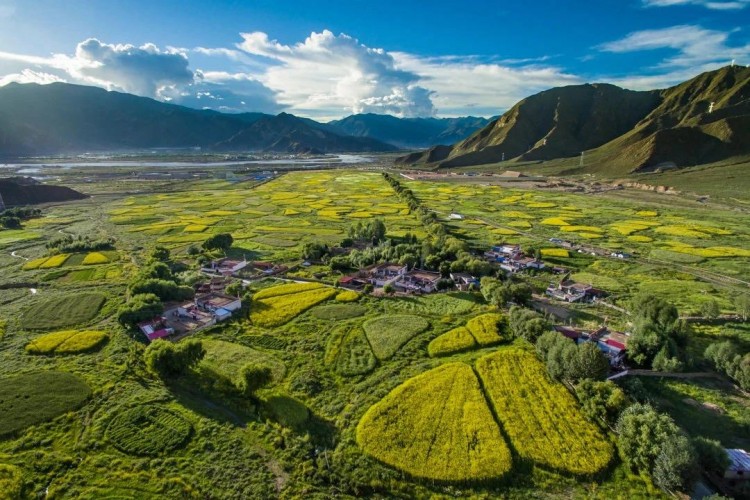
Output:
[[370, 395]]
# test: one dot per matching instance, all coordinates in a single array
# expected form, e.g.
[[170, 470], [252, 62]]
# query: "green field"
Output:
[[37, 397], [372, 396]]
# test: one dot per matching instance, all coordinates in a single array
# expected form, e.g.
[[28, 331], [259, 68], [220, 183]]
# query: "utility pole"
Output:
[[711, 107], [2, 203], [581, 164]]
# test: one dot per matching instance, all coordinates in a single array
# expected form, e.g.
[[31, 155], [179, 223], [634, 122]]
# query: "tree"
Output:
[[676, 465], [167, 359], [527, 324], [140, 308], [601, 401], [253, 377], [234, 288], [592, 363], [666, 361], [160, 253], [388, 288], [710, 309], [711, 455], [314, 251], [641, 435], [742, 303], [221, 241], [657, 325]]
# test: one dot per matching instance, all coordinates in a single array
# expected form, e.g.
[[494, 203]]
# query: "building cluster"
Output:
[[571, 291], [254, 269], [612, 343], [511, 258], [404, 280]]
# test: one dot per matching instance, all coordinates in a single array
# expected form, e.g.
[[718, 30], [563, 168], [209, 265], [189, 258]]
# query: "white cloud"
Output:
[[462, 86], [30, 76], [694, 46], [328, 75], [709, 4], [227, 92]]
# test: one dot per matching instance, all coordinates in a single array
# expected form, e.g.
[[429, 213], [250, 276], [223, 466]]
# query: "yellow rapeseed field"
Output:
[[437, 426], [541, 417], [456, 340], [94, 258]]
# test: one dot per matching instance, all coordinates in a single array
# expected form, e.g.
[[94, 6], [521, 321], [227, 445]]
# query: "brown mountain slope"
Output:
[[622, 131]]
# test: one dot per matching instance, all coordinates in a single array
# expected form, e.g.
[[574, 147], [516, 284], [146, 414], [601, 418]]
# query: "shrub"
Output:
[[253, 377], [166, 359]]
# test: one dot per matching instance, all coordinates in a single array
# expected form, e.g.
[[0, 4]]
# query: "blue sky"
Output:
[[327, 59]]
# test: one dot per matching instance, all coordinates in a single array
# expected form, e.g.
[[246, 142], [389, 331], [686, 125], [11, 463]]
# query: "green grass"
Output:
[[37, 397], [444, 304], [387, 334], [147, 430], [339, 312], [349, 352], [226, 359], [729, 422], [62, 311]]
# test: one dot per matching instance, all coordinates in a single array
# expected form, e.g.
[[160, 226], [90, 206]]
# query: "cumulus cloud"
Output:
[[329, 74], [709, 4], [462, 85], [227, 92], [30, 76]]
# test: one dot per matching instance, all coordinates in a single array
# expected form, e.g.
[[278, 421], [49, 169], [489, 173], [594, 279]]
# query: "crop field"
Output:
[[148, 430], [540, 417], [349, 352], [272, 220], [444, 304], [660, 234], [339, 312], [62, 311], [226, 359], [483, 330], [437, 426], [37, 397], [387, 334], [67, 342], [279, 308]]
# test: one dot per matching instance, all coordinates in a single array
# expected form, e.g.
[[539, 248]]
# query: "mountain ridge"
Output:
[[624, 131]]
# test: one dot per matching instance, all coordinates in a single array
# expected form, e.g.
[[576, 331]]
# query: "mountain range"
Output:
[[705, 119], [64, 118]]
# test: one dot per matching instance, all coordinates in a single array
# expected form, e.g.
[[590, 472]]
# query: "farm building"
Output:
[[226, 266], [155, 328], [464, 281], [613, 344], [739, 466], [213, 302], [519, 263], [352, 282], [418, 281], [571, 291], [384, 274]]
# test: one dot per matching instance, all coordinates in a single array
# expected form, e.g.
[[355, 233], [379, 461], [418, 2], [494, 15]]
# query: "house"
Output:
[[464, 281], [352, 282], [155, 328], [571, 291], [213, 302], [613, 344], [519, 263], [385, 274], [571, 333], [418, 281], [739, 466], [226, 266]]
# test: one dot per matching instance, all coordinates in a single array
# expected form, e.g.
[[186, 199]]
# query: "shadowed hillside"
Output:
[[623, 131], [22, 191]]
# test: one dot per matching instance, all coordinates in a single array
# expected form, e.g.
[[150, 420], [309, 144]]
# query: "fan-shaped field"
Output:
[[436, 426], [540, 417], [387, 334]]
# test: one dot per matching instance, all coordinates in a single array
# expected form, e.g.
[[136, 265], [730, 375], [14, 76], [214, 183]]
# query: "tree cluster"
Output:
[[601, 400], [499, 293], [726, 358], [527, 324], [650, 442], [566, 360], [71, 244], [167, 359], [12, 218], [372, 230], [221, 241], [659, 336]]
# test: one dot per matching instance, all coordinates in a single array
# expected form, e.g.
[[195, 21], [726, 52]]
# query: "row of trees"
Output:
[[70, 244], [726, 358]]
